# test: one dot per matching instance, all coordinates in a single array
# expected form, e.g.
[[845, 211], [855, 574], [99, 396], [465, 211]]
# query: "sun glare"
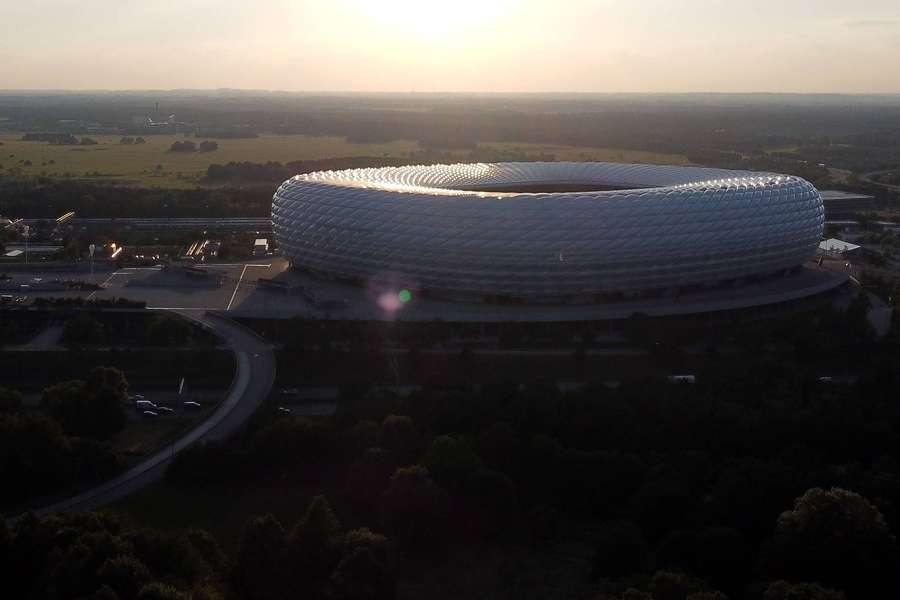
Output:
[[434, 20]]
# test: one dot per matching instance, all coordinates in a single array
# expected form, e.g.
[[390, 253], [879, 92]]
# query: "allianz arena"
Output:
[[547, 232]]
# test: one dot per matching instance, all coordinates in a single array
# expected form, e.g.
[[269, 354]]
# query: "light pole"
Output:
[[91, 250], [26, 231]]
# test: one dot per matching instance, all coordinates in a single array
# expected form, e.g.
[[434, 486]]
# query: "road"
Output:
[[867, 177], [253, 380]]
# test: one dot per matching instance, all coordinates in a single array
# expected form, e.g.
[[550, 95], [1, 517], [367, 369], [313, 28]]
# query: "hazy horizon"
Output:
[[467, 46]]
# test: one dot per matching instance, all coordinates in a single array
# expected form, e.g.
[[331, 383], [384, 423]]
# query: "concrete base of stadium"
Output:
[[293, 293]]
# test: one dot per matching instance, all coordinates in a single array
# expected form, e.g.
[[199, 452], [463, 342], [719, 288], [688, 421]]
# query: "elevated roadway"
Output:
[[254, 375]]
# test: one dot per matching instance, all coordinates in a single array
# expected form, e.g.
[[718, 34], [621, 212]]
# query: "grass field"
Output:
[[138, 164]]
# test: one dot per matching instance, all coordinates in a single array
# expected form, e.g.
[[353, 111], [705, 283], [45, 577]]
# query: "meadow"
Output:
[[153, 165]]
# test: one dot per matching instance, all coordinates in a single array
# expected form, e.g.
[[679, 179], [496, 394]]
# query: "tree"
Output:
[[399, 435], [257, 571], [104, 592], [621, 551], [360, 576], [414, 508], [498, 446], [494, 500], [209, 549], [5, 550], [36, 457], [782, 590], [126, 575], [166, 330], [544, 523], [160, 591], [364, 537], [722, 556], [94, 408], [369, 476], [185, 146], [671, 585], [838, 538], [451, 460], [10, 400], [314, 543]]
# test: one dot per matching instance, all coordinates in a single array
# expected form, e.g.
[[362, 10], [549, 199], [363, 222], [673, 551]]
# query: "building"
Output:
[[261, 247], [840, 204], [547, 232], [836, 247]]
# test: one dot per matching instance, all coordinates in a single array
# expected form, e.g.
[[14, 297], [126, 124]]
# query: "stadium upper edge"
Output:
[[552, 232]]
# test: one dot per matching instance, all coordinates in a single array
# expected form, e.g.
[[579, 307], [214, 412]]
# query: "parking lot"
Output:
[[209, 287]]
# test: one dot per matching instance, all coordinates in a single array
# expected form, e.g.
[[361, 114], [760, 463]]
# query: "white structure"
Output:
[[838, 247], [261, 247], [547, 231]]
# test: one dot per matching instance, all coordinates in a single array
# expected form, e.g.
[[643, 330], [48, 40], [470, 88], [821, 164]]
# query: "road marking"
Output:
[[102, 285], [236, 286]]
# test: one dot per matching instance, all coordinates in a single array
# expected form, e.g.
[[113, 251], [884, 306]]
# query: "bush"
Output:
[[93, 408], [414, 508], [166, 330]]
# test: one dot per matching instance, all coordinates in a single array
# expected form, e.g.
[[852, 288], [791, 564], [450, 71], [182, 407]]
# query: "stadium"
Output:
[[548, 233]]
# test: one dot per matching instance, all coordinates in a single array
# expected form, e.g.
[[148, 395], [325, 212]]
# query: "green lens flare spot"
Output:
[[404, 296]]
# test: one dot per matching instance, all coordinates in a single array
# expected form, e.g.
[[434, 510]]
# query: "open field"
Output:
[[152, 164]]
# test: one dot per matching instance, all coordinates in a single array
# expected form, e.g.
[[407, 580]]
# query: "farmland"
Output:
[[153, 165]]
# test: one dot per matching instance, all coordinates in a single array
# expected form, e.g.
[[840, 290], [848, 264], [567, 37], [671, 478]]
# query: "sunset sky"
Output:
[[454, 45]]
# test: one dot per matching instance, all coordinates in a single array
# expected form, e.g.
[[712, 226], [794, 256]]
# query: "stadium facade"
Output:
[[547, 232]]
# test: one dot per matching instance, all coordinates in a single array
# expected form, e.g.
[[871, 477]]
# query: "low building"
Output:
[[839, 204], [261, 247], [836, 247]]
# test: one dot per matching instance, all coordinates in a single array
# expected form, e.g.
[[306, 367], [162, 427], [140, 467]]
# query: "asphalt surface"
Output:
[[253, 380], [867, 177]]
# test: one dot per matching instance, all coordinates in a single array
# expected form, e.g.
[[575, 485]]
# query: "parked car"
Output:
[[149, 414], [191, 405], [165, 410]]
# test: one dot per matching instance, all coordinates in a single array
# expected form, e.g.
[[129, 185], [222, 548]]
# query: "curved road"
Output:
[[252, 382], [867, 177]]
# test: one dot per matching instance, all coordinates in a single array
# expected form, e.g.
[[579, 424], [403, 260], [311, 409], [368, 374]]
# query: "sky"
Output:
[[822, 46]]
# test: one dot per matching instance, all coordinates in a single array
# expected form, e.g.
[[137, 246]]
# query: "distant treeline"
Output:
[[859, 132], [59, 139], [276, 171], [44, 198]]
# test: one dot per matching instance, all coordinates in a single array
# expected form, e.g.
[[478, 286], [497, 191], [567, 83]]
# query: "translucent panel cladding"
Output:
[[431, 227]]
